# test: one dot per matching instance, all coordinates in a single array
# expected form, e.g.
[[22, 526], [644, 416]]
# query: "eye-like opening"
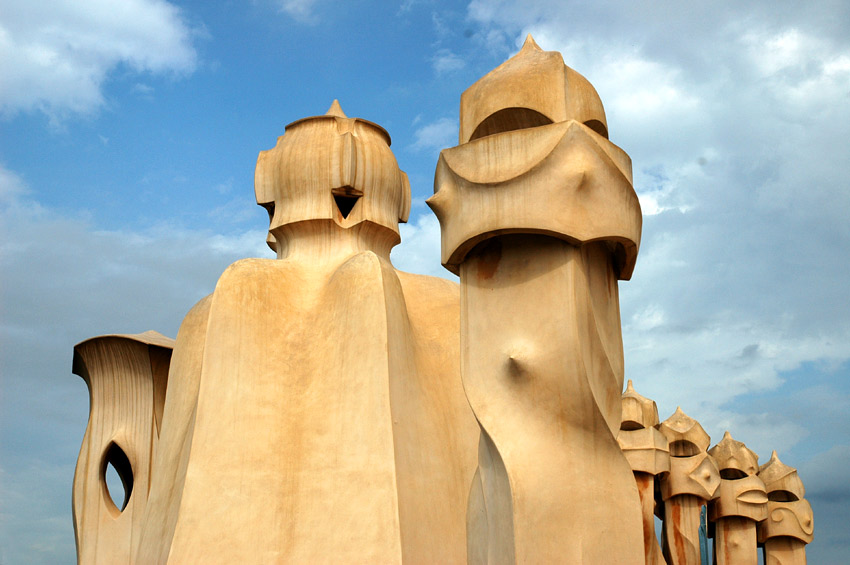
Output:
[[598, 127], [345, 198], [732, 474], [115, 461], [683, 448], [631, 425], [509, 119], [782, 496]]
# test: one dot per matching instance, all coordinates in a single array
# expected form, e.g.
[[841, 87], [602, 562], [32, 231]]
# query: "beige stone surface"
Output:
[[648, 454], [789, 525], [739, 504], [539, 218], [692, 481], [339, 432], [645, 447], [558, 177], [316, 412], [127, 377], [324, 407]]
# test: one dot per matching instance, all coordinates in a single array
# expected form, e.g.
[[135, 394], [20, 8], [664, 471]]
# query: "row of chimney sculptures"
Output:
[[325, 407]]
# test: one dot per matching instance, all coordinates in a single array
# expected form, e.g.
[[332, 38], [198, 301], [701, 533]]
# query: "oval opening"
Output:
[[683, 448], [782, 496], [631, 425], [732, 474], [117, 476], [509, 119], [598, 127]]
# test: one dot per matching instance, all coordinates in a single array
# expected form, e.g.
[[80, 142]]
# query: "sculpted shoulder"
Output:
[[434, 291], [433, 305], [249, 267]]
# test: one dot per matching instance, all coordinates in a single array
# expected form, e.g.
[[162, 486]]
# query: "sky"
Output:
[[129, 133]]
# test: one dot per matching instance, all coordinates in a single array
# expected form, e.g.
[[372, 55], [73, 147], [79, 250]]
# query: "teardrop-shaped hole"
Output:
[[117, 476]]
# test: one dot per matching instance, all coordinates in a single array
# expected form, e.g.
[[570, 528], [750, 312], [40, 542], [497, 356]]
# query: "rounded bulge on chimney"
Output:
[[534, 157], [334, 168]]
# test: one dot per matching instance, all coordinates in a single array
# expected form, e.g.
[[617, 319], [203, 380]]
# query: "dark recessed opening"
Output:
[[346, 197], [598, 127], [782, 496], [683, 448], [732, 474], [117, 476], [345, 204], [270, 239], [269, 206], [509, 119], [631, 425]]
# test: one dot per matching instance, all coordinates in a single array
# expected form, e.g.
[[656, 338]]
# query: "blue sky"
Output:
[[129, 133]]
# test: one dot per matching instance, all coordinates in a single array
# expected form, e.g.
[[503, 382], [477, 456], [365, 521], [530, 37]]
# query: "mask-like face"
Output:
[[332, 167], [534, 156]]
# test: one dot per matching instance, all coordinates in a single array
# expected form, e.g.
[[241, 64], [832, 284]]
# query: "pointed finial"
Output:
[[638, 412], [335, 110], [530, 44], [686, 432], [731, 455], [778, 476]]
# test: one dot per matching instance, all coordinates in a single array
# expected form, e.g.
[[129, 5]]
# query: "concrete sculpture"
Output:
[[692, 481], [789, 524], [325, 407], [539, 218], [647, 451], [740, 503], [127, 377], [749, 507]]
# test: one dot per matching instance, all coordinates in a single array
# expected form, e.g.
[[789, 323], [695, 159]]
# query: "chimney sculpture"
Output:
[[692, 481], [739, 504], [127, 376], [325, 407], [789, 525], [314, 411], [647, 452], [539, 218]]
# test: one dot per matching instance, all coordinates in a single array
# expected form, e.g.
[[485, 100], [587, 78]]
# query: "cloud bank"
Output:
[[55, 55]]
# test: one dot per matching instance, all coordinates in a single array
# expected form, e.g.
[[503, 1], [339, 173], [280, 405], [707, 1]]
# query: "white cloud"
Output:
[[12, 186], [419, 250], [444, 61], [803, 69], [143, 90], [301, 10], [436, 135], [55, 55]]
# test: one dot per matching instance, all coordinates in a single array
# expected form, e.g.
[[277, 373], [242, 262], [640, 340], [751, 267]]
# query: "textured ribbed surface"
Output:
[[121, 379]]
